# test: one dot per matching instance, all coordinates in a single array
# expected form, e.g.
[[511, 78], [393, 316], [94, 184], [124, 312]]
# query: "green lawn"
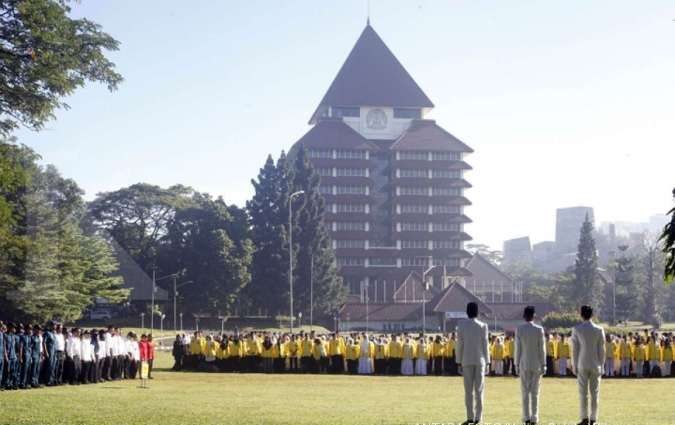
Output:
[[223, 399]]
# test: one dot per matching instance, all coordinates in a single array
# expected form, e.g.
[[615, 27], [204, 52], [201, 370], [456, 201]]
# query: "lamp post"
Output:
[[311, 293], [424, 295], [152, 297], [181, 322], [300, 320], [175, 297], [143, 321], [222, 324], [161, 323], [290, 251]]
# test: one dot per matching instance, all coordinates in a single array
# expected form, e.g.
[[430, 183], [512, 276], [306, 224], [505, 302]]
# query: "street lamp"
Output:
[[175, 296], [290, 249], [424, 295], [152, 297], [222, 324], [161, 323], [300, 320], [143, 321], [181, 322]]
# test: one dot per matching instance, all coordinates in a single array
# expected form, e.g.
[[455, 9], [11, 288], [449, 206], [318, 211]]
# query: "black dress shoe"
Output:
[[584, 422]]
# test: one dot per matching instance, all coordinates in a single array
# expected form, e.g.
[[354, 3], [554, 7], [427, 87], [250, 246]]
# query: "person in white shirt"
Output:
[[87, 352], [60, 354], [588, 360], [108, 367], [101, 356], [473, 357], [529, 360], [74, 357], [134, 354]]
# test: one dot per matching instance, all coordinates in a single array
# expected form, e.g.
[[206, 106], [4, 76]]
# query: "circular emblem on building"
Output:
[[376, 119]]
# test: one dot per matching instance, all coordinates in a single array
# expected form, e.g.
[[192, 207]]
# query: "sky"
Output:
[[565, 103]]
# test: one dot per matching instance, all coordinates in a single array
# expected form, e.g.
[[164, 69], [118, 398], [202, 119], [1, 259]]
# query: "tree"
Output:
[[495, 256], [627, 291], [268, 211], [44, 56], [668, 239], [138, 216], [316, 260], [587, 289], [203, 241]]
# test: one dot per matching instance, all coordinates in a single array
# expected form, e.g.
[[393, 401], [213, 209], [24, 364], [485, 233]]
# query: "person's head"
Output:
[[144, 337], [472, 310], [528, 313], [586, 312]]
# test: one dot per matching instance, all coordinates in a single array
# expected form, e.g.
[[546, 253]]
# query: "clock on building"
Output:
[[376, 119]]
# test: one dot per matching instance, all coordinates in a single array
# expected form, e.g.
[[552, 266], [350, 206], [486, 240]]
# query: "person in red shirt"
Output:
[[144, 348], [151, 355]]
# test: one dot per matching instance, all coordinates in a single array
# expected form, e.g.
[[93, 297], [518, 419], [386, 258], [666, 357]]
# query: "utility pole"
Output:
[[311, 293], [290, 251]]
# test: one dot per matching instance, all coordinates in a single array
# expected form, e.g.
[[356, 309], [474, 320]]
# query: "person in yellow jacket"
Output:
[[278, 354], [395, 356], [236, 350], [253, 349], [666, 357], [352, 355], [381, 355], [293, 353], [509, 352], [639, 357], [408, 357], [210, 353], [336, 352], [497, 356], [564, 355], [306, 360], [653, 352], [624, 356], [222, 353], [423, 353], [436, 355], [194, 351], [449, 355], [550, 354], [266, 354]]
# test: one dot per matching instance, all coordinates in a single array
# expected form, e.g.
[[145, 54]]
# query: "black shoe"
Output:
[[584, 422], [468, 422], [593, 422]]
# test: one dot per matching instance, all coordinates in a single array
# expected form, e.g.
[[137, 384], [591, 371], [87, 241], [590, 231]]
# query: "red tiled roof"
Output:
[[373, 76], [427, 135], [381, 312]]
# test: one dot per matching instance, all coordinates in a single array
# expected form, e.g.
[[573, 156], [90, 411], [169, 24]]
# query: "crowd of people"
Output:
[[637, 354], [32, 356]]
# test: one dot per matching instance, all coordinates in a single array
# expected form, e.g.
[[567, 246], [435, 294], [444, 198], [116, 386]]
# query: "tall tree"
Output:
[[587, 288], [44, 56], [268, 211], [318, 282], [668, 239], [627, 296]]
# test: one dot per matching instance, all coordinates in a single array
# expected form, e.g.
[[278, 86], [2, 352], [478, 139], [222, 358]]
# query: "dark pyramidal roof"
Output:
[[372, 76]]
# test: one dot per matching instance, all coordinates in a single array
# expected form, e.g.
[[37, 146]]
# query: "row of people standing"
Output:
[[32, 356]]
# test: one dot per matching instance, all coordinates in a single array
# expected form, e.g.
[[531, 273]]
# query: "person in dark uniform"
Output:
[[49, 354], [3, 354], [36, 357], [12, 378], [24, 355]]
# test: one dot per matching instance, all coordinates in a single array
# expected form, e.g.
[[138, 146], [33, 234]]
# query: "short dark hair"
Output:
[[586, 312], [472, 310], [528, 313]]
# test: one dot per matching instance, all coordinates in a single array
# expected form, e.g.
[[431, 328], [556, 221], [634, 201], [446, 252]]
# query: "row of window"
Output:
[[355, 112], [343, 172], [405, 244], [424, 227], [424, 173], [349, 208], [394, 262], [424, 191], [350, 189], [339, 154], [435, 209], [427, 156]]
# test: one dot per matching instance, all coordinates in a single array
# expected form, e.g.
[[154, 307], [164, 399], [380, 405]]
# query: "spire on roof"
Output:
[[372, 76]]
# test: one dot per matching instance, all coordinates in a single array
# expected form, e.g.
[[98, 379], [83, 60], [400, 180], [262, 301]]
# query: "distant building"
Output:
[[509, 315], [517, 251], [489, 283], [568, 226], [543, 252]]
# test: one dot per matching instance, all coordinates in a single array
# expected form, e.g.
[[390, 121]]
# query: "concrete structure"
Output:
[[517, 251], [568, 223], [393, 181]]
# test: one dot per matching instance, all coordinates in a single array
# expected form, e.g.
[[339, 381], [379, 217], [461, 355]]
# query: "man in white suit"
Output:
[[588, 360], [530, 362], [473, 359]]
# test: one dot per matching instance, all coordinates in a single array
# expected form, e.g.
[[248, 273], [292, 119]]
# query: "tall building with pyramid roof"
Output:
[[392, 180]]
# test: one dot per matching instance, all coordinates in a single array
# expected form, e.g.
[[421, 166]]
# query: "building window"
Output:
[[381, 262], [446, 209], [352, 190], [350, 226], [409, 113], [326, 190], [324, 172], [415, 261], [407, 190], [446, 244], [351, 154], [413, 172], [452, 174], [418, 244], [446, 191], [350, 244], [350, 261], [350, 208], [414, 155], [320, 153], [414, 227], [346, 111], [414, 209], [446, 156], [351, 172], [445, 227], [448, 262]]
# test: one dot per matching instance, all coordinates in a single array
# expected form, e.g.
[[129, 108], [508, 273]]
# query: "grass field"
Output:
[[223, 399]]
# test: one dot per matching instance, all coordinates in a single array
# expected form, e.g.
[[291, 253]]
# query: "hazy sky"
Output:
[[565, 103]]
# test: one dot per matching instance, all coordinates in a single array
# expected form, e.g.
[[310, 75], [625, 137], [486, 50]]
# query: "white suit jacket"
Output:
[[472, 343], [530, 347], [588, 347]]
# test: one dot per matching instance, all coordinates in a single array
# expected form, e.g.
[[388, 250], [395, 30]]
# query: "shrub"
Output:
[[560, 320]]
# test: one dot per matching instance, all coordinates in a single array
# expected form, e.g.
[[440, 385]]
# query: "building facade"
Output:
[[392, 180]]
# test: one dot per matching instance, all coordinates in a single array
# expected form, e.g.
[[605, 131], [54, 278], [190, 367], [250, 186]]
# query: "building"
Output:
[[489, 283], [568, 223], [392, 180], [518, 251]]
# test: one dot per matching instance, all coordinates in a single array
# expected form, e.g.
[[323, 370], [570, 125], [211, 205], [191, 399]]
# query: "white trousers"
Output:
[[498, 367], [588, 381], [639, 366], [562, 367], [609, 366], [474, 384], [625, 367], [529, 386]]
